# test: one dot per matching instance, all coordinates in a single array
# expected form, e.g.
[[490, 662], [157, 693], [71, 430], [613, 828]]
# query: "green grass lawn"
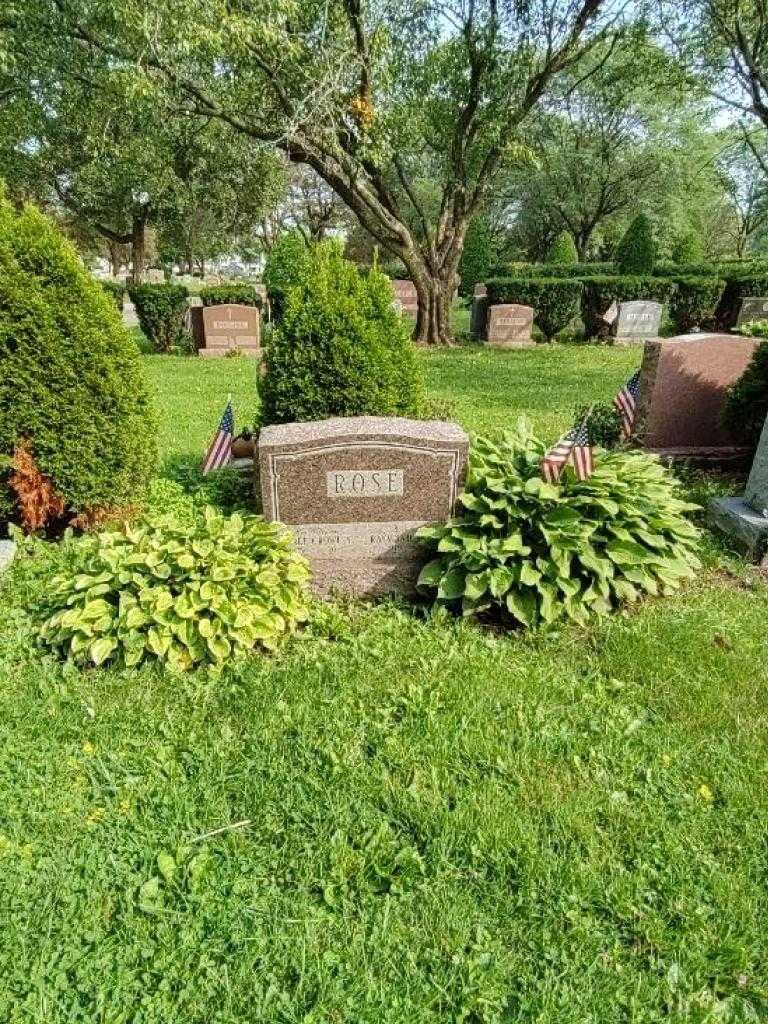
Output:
[[444, 824]]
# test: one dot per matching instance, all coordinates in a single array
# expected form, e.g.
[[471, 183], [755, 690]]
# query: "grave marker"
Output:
[[356, 490], [745, 519], [510, 325], [683, 386], [636, 320], [406, 300], [221, 329], [752, 309], [478, 317]]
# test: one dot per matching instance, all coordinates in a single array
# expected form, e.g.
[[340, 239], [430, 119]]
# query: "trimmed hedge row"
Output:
[[224, 294], [555, 300], [694, 302], [738, 285], [160, 309], [507, 270]]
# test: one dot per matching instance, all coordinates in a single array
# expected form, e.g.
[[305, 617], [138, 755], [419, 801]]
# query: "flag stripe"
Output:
[[220, 450]]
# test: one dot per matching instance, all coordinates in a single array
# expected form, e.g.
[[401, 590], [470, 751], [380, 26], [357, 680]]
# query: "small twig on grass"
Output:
[[224, 828]]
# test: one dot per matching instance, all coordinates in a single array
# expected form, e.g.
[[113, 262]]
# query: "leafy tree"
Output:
[[366, 94], [563, 250], [636, 252], [687, 248]]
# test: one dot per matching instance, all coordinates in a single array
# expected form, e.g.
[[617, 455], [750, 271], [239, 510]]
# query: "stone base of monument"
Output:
[[7, 553], [747, 528], [732, 458], [241, 350]]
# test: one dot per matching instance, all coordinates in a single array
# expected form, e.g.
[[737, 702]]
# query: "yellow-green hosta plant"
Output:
[[540, 552], [187, 594]]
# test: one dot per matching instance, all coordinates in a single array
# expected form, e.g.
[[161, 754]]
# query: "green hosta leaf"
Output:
[[529, 575], [451, 585], [500, 580], [549, 607], [219, 647], [166, 865], [522, 605], [431, 573], [101, 649], [136, 617], [475, 585]]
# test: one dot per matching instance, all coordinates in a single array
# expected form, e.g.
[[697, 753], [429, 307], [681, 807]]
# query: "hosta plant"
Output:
[[188, 594], [539, 552]]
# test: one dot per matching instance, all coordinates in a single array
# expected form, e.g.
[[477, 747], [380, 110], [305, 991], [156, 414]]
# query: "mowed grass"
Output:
[[424, 821]]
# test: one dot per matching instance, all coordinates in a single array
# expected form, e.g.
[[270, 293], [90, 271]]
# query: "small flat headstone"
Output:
[[479, 291], [355, 491], [637, 321], [510, 325], [406, 299], [7, 553], [752, 309]]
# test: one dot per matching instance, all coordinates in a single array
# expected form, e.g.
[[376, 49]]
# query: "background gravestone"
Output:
[[356, 490], [406, 300], [478, 317], [479, 291], [752, 309], [218, 330], [636, 321], [510, 325], [745, 519], [683, 386]]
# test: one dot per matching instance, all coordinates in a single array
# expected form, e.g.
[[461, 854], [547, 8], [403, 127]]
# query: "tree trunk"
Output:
[[113, 251], [433, 320], [138, 249]]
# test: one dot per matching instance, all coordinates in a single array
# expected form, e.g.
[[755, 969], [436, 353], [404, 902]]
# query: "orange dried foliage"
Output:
[[102, 515], [35, 494]]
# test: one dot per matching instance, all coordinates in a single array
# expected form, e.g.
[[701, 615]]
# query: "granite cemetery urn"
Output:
[[355, 491]]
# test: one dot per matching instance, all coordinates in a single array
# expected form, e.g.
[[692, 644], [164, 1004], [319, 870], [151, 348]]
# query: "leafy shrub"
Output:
[[185, 594], [739, 284], [664, 268], [285, 267], [688, 248], [600, 292], [477, 256], [554, 300], [694, 302], [341, 349], [604, 423], [224, 294], [575, 270], [538, 552], [746, 405], [563, 250], [116, 291], [71, 387], [160, 309], [636, 252]]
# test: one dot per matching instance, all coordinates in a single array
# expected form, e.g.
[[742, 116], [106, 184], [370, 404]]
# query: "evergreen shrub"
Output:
[[71, 388], [341, 349], [555, 300], [224, 294], [287, 262], [636, 252], [746, 406], [740, 283], [563, 250], [694, 301], [160, 309], [116, 291]]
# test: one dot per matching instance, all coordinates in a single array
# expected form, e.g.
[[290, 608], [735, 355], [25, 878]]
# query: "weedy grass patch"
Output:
[[433, 821]]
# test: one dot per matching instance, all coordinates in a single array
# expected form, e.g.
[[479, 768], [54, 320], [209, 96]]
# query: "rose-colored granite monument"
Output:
[[683, 385], [406, 300], [356, 490], [510, 325], [218, 330]]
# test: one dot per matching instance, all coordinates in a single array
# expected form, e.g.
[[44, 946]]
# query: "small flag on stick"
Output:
[[220, 451], [573, 448], [626, 403]]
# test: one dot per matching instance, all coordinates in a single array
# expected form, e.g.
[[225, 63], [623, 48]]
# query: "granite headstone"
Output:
[[406, 299], [478, 317], [221, 329], [510, 325], [752, 309], [636, 321], [683, 385], [356, 490], [745, 519]]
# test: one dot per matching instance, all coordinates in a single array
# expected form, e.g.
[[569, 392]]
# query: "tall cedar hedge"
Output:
[[746, 406], [224, 294], [341, 349], [71, 386]]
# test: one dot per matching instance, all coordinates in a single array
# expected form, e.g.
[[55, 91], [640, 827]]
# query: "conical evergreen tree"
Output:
[[636, 252]]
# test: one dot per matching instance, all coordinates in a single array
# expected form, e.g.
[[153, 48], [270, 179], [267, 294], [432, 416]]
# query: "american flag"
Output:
[[220, 452], [626, 403], [573, 448]]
